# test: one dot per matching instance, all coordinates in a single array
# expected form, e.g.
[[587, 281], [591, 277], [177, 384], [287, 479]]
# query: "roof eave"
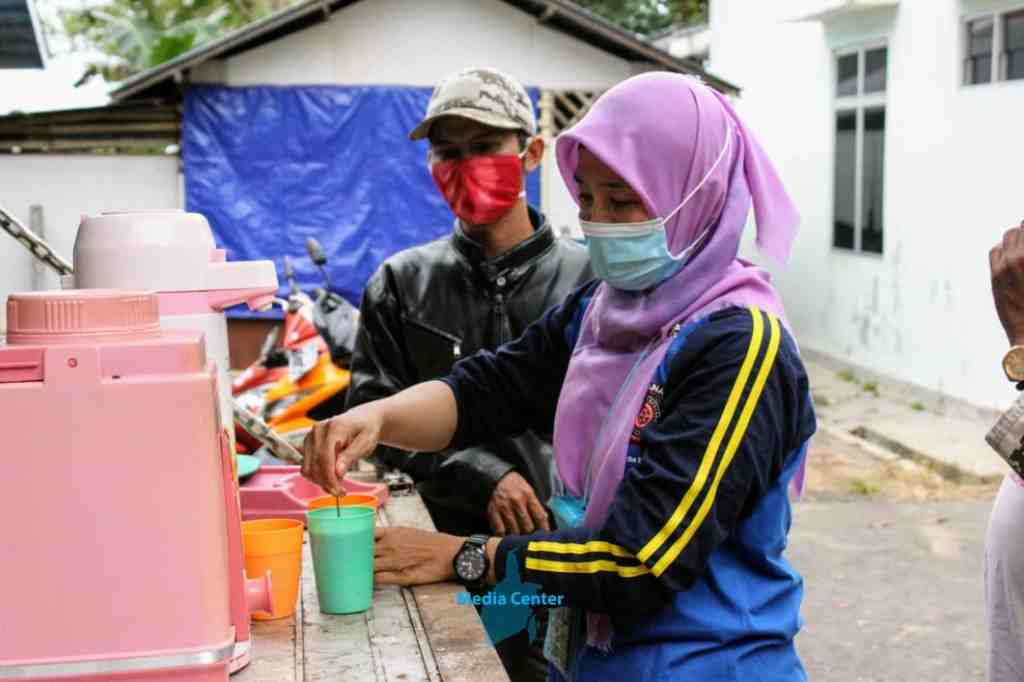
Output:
[[641, 47]]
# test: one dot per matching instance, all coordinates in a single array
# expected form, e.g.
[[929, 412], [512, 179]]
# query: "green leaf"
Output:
[[138, 34], [170, 46]]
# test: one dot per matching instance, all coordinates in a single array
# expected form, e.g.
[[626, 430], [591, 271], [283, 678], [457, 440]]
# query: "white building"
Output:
[[898, 126]]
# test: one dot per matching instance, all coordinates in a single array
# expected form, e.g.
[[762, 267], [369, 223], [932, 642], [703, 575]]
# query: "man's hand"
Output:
[[514, 508], [334, 445], [409, 556], [1007, 264]]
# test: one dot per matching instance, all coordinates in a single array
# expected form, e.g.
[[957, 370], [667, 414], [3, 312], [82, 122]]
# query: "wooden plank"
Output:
[[97, 128], [107, 143], [417, 635], [300, 644], [335, 647], [275, 651], [456, 635], [401, 649], [381, 644], [571, 105], [429, 662]]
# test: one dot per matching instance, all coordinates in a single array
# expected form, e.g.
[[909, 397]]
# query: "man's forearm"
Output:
[[421, 418]]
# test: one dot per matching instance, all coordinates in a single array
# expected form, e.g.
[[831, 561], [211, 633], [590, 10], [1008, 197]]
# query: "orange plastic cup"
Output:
[[275, 545], [354, 500]]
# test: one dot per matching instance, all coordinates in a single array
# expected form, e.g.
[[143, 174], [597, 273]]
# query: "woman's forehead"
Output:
[[592, 170]]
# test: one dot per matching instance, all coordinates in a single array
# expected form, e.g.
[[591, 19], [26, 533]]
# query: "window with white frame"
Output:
[[994, 47], [858, 187]]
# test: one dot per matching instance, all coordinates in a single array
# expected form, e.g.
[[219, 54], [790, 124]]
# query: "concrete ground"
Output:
[[890, 534], [903, 417], [893, 591]]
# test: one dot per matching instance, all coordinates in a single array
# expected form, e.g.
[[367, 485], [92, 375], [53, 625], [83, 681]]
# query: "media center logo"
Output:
[[507, 609]]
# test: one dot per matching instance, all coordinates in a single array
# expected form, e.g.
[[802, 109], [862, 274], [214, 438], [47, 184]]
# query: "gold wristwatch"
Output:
[[1013, 363]]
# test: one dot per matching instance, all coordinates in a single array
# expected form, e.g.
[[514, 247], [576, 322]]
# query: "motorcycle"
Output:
[[300, 376]]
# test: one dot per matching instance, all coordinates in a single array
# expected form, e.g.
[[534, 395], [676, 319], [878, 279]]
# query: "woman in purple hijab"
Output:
[[680, 408]]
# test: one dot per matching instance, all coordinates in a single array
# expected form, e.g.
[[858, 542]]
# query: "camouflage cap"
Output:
[[483, 95]]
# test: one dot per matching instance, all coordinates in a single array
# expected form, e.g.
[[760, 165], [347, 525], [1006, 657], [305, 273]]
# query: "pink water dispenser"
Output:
[[121, 537], [173, 253]]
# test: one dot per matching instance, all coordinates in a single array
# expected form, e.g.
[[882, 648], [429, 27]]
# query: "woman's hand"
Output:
[[408, 556], [334, 445]]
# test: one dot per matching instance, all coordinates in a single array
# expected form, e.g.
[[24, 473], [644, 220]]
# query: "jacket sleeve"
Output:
[[379, 362], [505, 392], [727, 427]]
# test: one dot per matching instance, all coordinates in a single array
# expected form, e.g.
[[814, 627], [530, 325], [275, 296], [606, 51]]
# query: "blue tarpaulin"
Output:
[[271, 166]]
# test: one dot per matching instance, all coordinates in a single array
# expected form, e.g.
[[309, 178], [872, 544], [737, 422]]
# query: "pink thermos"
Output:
[[122, 541]]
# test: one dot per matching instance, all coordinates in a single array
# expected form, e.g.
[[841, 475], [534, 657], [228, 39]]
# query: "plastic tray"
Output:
[[280, 492]]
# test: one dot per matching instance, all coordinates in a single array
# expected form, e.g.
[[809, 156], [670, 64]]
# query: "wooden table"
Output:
[[407, 635]]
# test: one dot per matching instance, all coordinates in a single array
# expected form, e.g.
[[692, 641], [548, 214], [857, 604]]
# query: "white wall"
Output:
[[68, 187], [923, 310], [689, 42], [404, 43]]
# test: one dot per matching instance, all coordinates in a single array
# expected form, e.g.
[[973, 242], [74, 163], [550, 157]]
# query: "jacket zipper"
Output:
[[499, 309], [454, 340]]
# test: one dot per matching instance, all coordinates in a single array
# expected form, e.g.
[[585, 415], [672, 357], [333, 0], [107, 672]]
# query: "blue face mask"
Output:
[[635, 256], [632, 256]]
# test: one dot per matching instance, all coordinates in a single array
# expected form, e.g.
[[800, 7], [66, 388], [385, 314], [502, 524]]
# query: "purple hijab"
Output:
[[661, 133]]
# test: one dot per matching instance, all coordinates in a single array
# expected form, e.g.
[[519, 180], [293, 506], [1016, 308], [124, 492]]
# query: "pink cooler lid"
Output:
[[168, 251], [81, 315]]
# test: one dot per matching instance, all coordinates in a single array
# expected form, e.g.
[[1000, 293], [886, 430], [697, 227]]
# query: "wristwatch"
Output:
[[1013, 363], [471, 563]]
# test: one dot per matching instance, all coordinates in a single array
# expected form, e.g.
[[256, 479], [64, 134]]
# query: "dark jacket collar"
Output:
[[518, 256]]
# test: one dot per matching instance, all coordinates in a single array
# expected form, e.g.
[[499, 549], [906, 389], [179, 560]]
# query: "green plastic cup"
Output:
[[342, 544]]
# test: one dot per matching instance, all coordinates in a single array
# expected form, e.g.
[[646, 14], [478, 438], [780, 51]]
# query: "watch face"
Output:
[[470, 564], [1013, 363]]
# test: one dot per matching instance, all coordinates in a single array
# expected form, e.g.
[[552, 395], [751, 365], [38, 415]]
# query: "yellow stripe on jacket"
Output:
[[734, 442], [586, 567], [711, 452]]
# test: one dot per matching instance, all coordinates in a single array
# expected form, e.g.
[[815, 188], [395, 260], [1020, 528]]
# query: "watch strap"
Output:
[[479, 539]]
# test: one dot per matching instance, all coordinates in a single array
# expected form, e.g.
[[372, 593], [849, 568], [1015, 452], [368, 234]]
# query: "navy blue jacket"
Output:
[[689, 563]]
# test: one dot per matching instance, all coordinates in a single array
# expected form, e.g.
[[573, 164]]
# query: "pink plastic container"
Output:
[[132, 570]]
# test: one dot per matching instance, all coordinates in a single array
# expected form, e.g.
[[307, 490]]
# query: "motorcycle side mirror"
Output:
[[289, 274], [316, 252], [270, 341]]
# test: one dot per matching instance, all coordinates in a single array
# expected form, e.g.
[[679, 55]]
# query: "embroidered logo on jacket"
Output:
[[650, 412]]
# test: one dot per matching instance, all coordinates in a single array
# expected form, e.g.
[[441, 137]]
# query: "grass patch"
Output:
[[848, 376], [820, 400], [871, 387], [918, 406], [861, 487]]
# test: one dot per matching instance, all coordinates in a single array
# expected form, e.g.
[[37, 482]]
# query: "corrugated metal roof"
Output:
[[20, 41], [135, 127]]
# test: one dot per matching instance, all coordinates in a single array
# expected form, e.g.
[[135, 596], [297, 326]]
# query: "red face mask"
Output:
[[480, 189]]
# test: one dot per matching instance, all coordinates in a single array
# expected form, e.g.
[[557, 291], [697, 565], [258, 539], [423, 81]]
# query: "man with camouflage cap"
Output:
[[499, 270]]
